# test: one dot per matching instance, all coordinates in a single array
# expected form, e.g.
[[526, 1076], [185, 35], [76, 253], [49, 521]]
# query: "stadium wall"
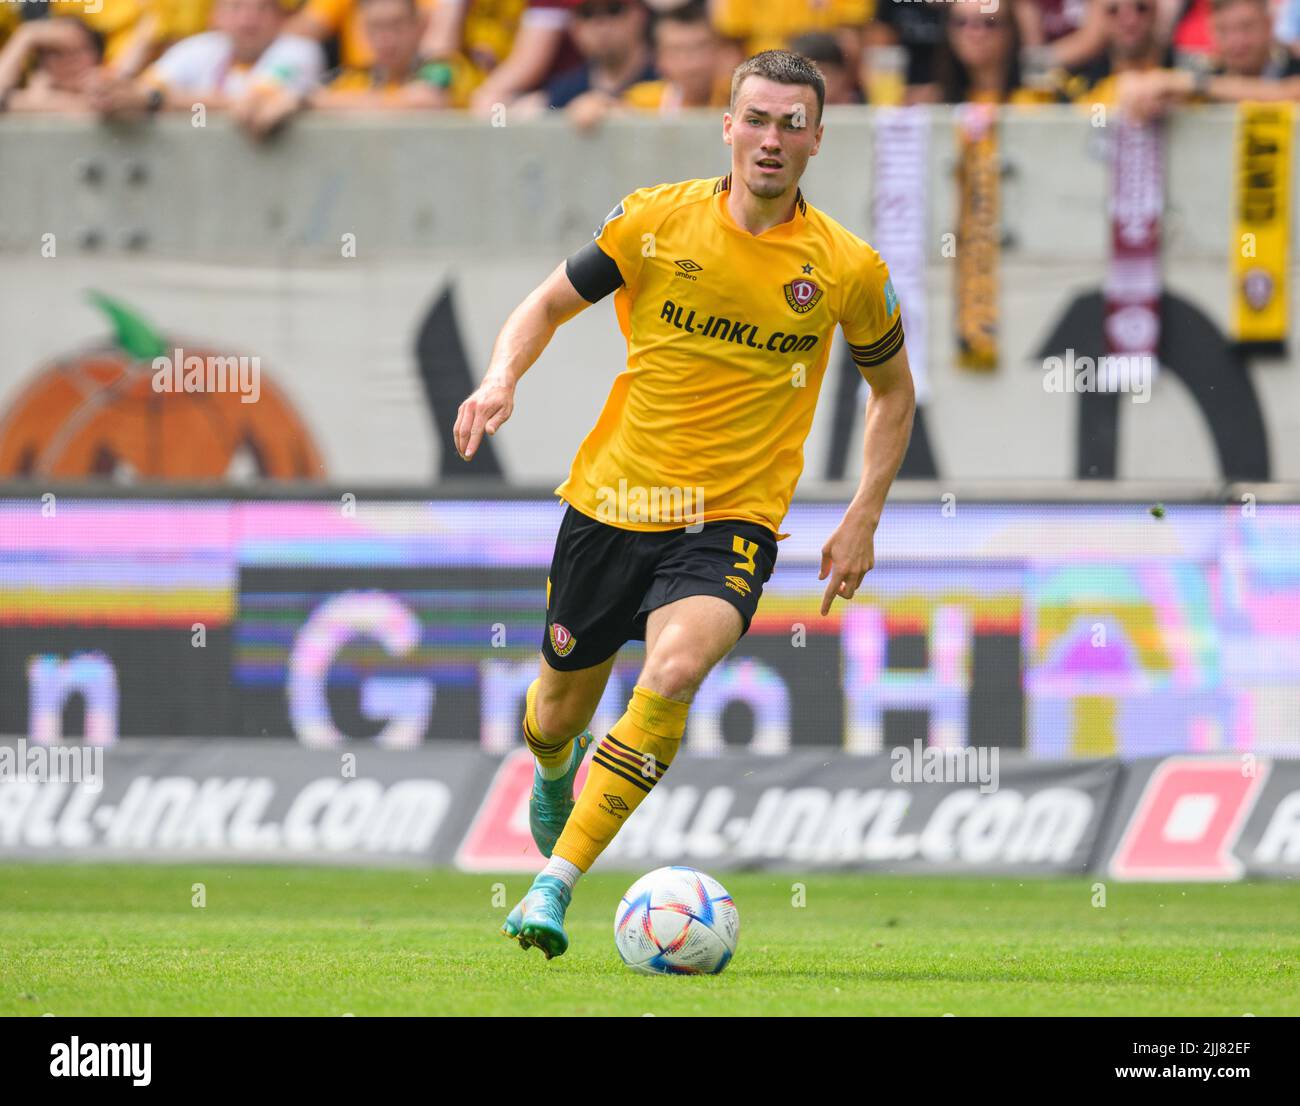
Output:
[[369, 266]]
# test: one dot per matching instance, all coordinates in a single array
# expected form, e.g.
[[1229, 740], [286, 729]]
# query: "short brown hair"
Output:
[[784, 67]]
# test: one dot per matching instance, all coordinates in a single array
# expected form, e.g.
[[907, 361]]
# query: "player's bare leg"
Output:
[[684, 640]]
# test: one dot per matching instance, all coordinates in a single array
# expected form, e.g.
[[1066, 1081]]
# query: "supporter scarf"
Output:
[[979, 236], [1261, 207], [901, 140], [1132, 288]]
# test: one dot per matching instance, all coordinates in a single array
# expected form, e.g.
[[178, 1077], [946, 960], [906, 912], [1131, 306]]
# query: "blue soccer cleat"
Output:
[[539, 918], [551, 801]]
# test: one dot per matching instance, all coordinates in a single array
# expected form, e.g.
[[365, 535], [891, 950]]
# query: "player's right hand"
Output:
[[491, 403]]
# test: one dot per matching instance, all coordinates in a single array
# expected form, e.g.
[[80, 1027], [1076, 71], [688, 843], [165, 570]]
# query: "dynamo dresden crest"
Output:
[[562, 641], [802, 295]]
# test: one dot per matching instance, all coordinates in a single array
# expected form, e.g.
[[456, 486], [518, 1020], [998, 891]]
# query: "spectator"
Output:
[[1254, 66], [840, 76], [979, 60], [686, 54], [397, 79], [244, 65], [611, 37], [1243, 33], [540, 51], [1132, 45], [687, 51], [56, 56], [323, 20]]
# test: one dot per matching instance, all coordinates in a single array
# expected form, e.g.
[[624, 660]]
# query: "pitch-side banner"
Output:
[[267, 801], [1206, 818], [810, 811], [235, 801], [919, 809]]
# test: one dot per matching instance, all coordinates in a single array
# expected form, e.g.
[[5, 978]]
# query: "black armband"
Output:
[[593, 273]]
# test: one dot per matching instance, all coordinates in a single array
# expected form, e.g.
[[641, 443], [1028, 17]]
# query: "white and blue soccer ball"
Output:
[[676, 921]]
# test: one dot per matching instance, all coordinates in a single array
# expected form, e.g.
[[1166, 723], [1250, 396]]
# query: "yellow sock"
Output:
[[626, 764], [552, 755]]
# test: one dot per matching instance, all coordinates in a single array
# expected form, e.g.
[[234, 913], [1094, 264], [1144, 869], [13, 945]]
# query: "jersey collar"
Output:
[[780, 233]]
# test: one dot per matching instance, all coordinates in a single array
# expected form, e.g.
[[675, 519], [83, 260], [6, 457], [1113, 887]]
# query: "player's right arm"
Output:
[[609, 261], [526, 333]]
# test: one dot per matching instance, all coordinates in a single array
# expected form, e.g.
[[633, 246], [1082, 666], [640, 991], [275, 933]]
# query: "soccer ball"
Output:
[[676, 921]]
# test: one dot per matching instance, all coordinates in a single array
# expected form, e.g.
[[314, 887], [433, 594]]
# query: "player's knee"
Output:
[[561, 716], [673, 675]]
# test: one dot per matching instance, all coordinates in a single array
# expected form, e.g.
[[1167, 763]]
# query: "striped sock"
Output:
[[625, 766], [553, 757]]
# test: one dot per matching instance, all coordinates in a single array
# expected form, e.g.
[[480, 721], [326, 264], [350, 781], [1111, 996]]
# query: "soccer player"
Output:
[[727, 291]]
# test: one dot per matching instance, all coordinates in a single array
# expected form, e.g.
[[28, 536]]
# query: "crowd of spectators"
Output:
[[264, 61]]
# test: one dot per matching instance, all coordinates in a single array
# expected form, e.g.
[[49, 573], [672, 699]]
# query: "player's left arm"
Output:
[[849, 552]]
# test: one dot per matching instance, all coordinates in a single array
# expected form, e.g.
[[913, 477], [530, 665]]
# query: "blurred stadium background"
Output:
[[301, 628]]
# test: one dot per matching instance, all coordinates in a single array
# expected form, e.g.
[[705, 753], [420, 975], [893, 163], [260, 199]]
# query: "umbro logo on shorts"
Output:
[[738, 584]]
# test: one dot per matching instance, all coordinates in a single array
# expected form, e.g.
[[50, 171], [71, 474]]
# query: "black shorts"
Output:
[[606, 580]]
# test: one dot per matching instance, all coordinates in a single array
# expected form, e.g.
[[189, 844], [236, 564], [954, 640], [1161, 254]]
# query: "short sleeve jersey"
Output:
[[728, 336]]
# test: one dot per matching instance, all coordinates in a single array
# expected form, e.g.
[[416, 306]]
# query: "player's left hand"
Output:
[[847, 557]]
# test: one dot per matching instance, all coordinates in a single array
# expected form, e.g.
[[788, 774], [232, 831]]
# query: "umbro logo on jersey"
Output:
[[687, 269], [802, 295]]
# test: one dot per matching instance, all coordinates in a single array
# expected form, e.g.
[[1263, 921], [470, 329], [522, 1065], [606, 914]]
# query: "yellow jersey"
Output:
[[728, 336]]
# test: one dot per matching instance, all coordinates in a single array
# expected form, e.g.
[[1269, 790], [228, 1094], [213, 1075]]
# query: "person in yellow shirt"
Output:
[[728, 291], [686, 56], [397, 79], [324, 19]]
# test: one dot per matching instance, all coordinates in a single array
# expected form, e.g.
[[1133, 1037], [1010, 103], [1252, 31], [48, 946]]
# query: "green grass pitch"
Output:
[[125, 939]]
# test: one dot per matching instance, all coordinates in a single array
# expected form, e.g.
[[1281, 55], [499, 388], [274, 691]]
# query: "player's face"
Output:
[[772, 132]]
